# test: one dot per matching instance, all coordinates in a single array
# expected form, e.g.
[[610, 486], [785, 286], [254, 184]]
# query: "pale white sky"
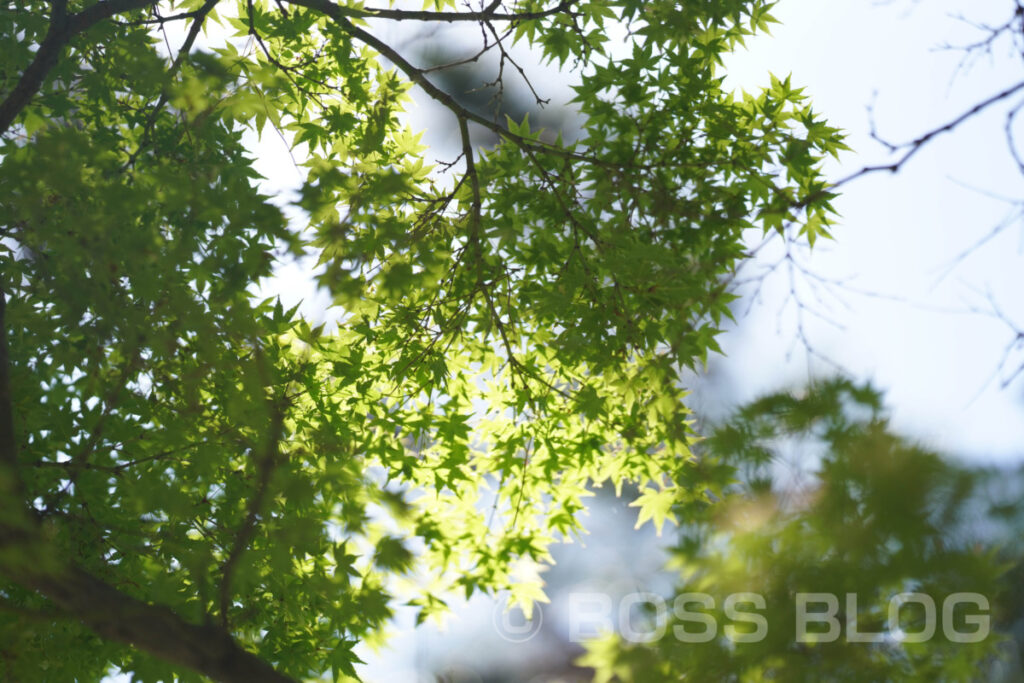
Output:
[[898, 234]]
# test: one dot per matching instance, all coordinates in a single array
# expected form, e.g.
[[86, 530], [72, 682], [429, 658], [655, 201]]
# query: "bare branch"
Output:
[[914, 146]]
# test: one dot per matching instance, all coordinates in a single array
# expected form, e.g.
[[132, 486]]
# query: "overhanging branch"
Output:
[[264, 471], [28, 560], [489, 13], [207, 649], [63, 27], [418, 76]]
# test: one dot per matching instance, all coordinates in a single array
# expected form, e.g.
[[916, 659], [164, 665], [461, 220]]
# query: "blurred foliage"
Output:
[[880, 517]]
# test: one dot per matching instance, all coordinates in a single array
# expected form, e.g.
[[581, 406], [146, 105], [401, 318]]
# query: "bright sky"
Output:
[[899, 234]]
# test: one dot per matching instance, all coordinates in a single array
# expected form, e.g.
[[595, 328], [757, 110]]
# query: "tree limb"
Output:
[[417, 76], [265, 469], [914, 146], [26, 559], [63, 28], [190, 39], [207, 649], [489, 13]]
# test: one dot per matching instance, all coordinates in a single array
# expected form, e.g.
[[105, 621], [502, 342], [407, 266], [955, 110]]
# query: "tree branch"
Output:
[[62, 29], [186, 47], [208, 649], [489, 13], [914, 146], [265, 469], [417, 76], [27, 560]]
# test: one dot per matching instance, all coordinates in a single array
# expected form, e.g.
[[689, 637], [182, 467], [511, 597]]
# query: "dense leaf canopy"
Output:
[[193, 480]]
